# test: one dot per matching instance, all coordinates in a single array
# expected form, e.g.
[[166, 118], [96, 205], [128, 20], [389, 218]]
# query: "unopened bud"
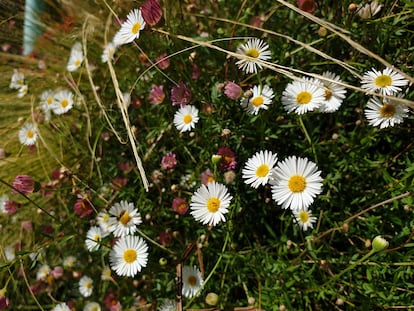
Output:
[[212, 299], [379, 243], [215, 158]]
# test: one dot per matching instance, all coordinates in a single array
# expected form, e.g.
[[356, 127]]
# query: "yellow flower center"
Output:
[[96, 237], [303, 216], [213, 204], [192, 280], [124, 218], [88, 285], [77, 62], [387, 110], [135, 28], [30, 134], [304, 98], [130, 255], [64, 103], [252, 53], [262, 170], [328, 93], [210, 179], [257, 101], [297, 183], [187, 118], [49, 100], [383, 81]]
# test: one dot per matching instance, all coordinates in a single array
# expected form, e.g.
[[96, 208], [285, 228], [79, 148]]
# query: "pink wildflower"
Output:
[[157, 95], [307, 5], [83, 208], [180, 206], [151, 12], [207, 176], [180, 94], [11, 207], [168, 161], [228, 159], [233, 91], [163, 62], [23, 184]]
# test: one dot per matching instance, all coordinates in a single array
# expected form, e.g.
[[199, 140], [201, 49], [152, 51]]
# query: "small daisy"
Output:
[[303, 96], [129, 255], [10, 252], [103, 221], [334, 93], [86, 286], [75, 58], [130, 28], [93, 238], [92, 306], [260, 99], [3, 199], [385, 113], [209, 203], [62, 102], [387, 82], [17, 80], [255, 49], [192, 281], [124, 218], [22, 91], [186, 118], [61, 307], [108, 52], [46, 101], [28, 134], [106, 274], [168, 305], [296, 182], [258, 168], [43, 272], [304, 218]]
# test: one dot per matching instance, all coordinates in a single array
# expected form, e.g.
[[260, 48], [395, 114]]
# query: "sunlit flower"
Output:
[[233, 90], [168, 305], [23, 184], [385, 113], [180, 94], [46, 101], [61, 307], [94, 237], [43, 272], [386, 82], [303, 96], [124, 219], [17, 80], [369, 10], [186, 118], [92, 306], [258, 168], [169, 161], [192, 281], [151, 12], [62, 102], [129, 255], [156, 95], [130, 28], [295, 183], [86, 286], [75, 58], [260, 99], [180, 206], [28, 134], [334, 93], [255, 49], [304, 218], [209, 203], [227, 159], [108, 52]]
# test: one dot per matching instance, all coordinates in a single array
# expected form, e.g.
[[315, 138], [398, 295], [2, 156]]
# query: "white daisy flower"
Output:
[[108, 52], [17, 80], [10, 252], [61, 307], [106, 274], [103, 221], [86, 286], [3, 199], [168, 305], [258, 168], [130, 28], [186, 118], [387, 82], [69, 262], [255, 49], [43, 272], [192, 281], [76, 57], [334, 93], [209, 203], [296, 182], [62, 102], [46, 101], [124, 219], [94, 237], [369, 9], [28, 134], [22, 91], [129, 255], [304, 218], [92, 306], [303, 96], [260, 99], [385, 113]]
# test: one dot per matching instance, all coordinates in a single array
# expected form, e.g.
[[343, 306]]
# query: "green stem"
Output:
[[308, 138]]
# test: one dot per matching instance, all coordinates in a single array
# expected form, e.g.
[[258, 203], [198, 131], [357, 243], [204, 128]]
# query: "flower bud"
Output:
[[212, 299], [379, 243], [215, 158]]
